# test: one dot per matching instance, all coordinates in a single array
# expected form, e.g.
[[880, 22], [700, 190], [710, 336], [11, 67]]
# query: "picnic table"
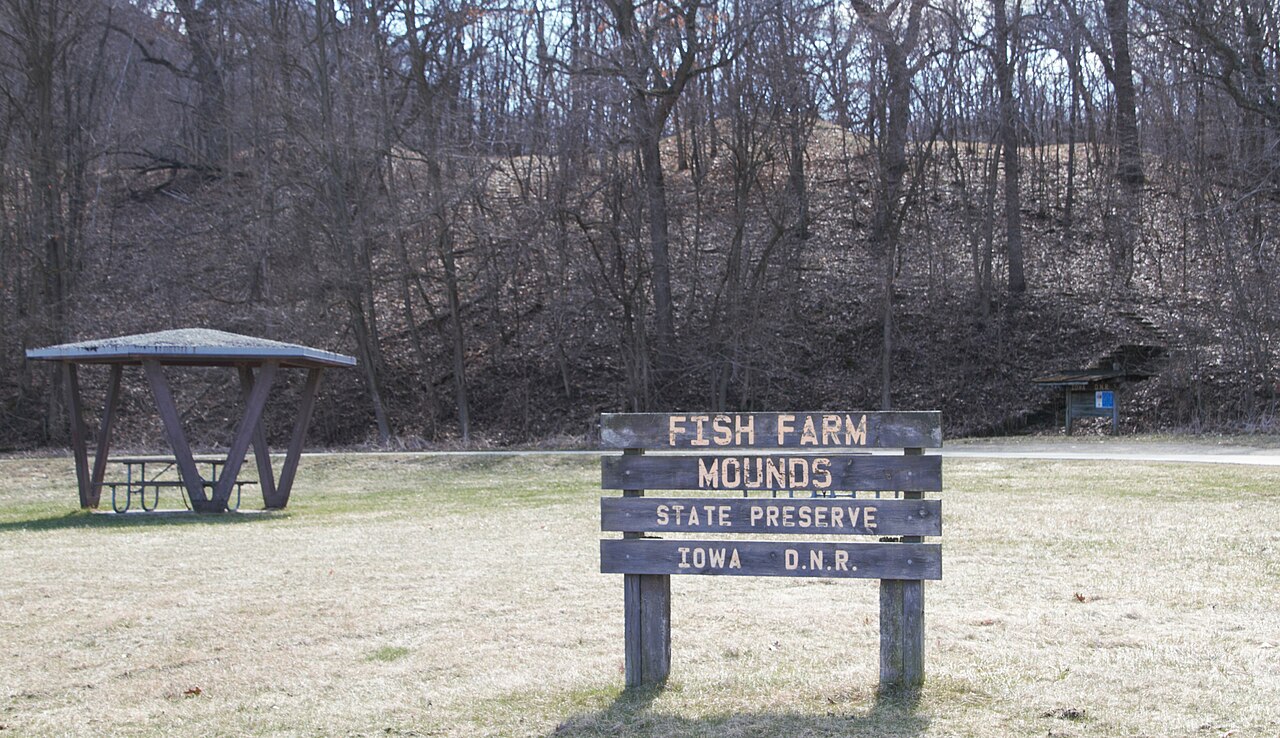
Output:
[[164, 473], [257, 361]]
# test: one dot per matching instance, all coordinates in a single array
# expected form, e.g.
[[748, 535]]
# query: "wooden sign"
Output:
[[823, 452], [769, 559], [773, 472], [806, 430], [767, 515]]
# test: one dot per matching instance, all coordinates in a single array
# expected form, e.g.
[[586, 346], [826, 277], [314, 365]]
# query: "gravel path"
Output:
[[1053, 449], [1193, 453]]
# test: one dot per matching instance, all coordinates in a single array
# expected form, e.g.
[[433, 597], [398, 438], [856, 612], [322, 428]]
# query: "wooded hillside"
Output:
[[517, 215]]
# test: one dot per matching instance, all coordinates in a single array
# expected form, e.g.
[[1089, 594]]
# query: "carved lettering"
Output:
[[699, 438], [799, 469], [773, 514], [723, 433], [785, 427], [809, 436], [778, 473], [822, 473], [675, 426], [775, 474], [830, 430], [720, 557], [708, 473], [728, 479], [727, 430], [855, 435]]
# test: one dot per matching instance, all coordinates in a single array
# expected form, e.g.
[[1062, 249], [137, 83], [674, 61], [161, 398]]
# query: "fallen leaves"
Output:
[[1065, 713]]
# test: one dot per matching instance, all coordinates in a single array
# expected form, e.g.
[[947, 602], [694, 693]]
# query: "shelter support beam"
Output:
[[191, 478], [104, 434], [71, 381], [244, 434], [261, 454], [290, 468]]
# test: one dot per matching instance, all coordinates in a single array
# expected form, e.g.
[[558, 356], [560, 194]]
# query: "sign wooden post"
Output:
[[647, 619], [830, 481], [902, 622]]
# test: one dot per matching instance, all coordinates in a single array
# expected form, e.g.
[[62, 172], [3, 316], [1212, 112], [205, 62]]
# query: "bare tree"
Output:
[[660, 49], [349, 154], [897, 44], [1124, 222], [54, 75], [1004, 59]]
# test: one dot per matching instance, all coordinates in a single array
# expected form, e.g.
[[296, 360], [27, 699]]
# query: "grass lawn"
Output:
[[404, 595]]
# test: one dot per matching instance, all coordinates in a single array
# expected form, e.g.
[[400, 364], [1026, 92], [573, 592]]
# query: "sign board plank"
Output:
[[814, 516], [915, 561], [1085, 405], [803, 430], [773, 472]]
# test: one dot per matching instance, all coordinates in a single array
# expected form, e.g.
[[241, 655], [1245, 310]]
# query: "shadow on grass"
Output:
[[83, 519], [632, 714]]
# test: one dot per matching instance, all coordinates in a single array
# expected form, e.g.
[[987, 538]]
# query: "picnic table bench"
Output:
[[138, 480]]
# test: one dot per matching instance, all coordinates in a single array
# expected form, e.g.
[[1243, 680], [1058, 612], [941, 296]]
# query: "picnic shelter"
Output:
[[257, 361]]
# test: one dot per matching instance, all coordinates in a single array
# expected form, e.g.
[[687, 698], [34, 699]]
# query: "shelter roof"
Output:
[[1084, 377], [190, 347]]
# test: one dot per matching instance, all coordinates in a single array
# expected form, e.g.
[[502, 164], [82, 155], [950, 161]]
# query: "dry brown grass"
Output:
[[460, 597]]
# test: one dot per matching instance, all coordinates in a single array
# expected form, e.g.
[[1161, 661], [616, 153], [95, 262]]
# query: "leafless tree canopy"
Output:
[[519, 213]]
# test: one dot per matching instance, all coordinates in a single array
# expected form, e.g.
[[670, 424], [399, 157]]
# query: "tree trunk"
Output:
[[211, 94], [888, 213], [1129, 172], [457, 337], [1129, 165], [1004, 60], [43, 55], [347, 244], [1073, 72], [892, 154], [655, 89], [649, 133]]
